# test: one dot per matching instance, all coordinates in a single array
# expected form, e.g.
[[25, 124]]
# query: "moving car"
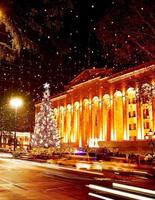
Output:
[[78, 161]]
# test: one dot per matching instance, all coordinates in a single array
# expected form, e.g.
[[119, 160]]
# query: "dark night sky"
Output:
[[65, 40], [60, 38]]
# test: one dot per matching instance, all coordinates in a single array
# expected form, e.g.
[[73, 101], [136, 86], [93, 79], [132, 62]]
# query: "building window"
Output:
[[132, 127], [146, 125], [145, 113], [134, 101], [132, 114]]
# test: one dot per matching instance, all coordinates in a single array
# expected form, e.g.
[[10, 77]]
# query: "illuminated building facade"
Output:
[[7, 139], [99, 106]]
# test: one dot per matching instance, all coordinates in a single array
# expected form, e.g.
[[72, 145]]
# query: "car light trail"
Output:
[[51, 166], [6, 155], [99, 196], [140, 172], [133, 188], [54, 166], [119, 193]]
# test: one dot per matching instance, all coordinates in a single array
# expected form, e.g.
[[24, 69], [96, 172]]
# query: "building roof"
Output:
[[93, 73], [89, 74], [132, 69]]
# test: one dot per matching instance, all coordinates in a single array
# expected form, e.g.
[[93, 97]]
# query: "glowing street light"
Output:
[[16, 103], [1, 13]]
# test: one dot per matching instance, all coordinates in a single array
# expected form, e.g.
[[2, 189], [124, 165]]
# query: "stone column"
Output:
[[112, 134], [80, 124], [153, 114], [126, 136], [101, 137], [139, 120]]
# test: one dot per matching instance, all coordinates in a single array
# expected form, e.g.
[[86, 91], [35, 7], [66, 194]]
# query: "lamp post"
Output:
[[16, 103]]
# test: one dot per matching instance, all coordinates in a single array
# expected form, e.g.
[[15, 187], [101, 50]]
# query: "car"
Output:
[[78, 161], [86, 162], [97, 165], [83, 165]]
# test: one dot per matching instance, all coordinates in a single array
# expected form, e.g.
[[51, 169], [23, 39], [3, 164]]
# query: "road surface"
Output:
[[24, 180], [21, 181]]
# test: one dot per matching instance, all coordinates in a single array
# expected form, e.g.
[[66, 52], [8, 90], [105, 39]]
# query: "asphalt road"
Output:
[[21, 181], [24, 180]]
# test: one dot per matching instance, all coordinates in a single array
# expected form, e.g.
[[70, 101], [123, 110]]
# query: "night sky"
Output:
[[54, 40]]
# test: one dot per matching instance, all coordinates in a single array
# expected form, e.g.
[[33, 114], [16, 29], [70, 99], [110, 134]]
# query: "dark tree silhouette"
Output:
[[127, 32], [17, 17]]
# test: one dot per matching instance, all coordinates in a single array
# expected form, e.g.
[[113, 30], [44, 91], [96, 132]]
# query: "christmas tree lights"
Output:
[[45, 131]]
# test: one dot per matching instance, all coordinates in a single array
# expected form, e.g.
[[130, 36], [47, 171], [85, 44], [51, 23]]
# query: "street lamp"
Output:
[[16, 103]]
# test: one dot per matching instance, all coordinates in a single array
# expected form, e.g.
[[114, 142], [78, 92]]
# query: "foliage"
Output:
[[19, 25], [42, 151], [18, 152], [12, 48]]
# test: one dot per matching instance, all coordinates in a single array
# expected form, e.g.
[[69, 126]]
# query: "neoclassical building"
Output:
[[100, 107]]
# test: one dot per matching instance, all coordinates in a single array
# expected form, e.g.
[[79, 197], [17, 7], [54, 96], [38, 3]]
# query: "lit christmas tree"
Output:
[[45, 131]]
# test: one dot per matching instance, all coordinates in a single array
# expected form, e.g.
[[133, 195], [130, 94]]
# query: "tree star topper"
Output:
[[46, 86]]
